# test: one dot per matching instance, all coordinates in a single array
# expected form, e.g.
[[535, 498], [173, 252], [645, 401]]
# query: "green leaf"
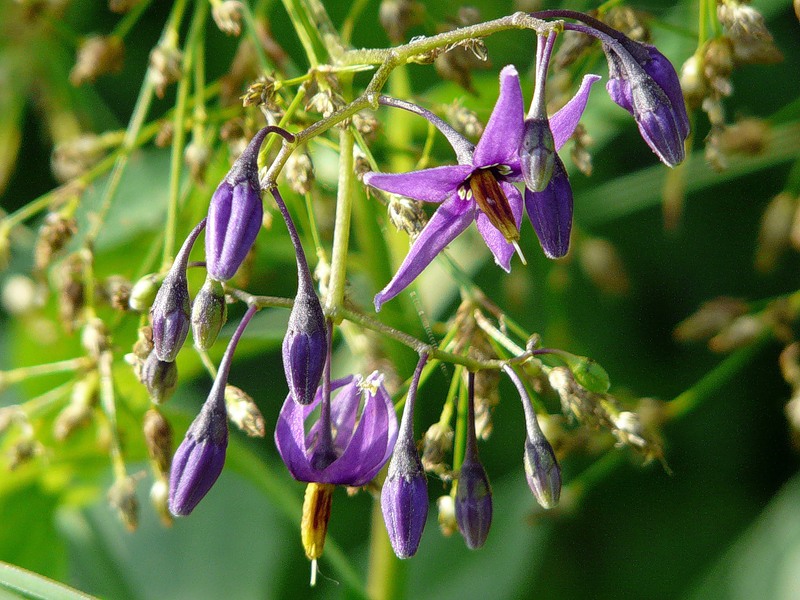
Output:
[[19, 583]]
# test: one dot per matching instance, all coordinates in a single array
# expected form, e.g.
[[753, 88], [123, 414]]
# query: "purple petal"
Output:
[[450, 219], [564, 122], [502, 250], [503, 133], [550, 212], [429, 185], [290, 439]]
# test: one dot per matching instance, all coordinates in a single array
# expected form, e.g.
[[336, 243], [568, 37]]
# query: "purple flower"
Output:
[[305, 346], [345, 446], [550, 211], [644, 82], [235, 214], [404, 497], [477, 189], [199, 459]]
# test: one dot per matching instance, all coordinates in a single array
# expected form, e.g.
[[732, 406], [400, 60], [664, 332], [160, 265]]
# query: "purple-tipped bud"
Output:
[[404, 500], [209, 313], [159, 377], [550, 211], [537, 154], [200, 457], [404, 497], [644, 82], [170, 311], [170, 314], [473, 504], [305, 346], [235, 214], [542, 471]]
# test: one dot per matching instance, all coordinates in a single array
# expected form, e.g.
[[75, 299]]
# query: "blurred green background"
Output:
[[724, 524]]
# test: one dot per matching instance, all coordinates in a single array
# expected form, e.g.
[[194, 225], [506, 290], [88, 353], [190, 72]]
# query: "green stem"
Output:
[[252, 31], [130, 19], [179, 135], [341, 227], [302, 28]]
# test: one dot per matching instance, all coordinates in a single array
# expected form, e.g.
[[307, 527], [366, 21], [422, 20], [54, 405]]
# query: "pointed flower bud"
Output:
[[404, 497], [159, 377], [199, 459], [143, 292], [550, 211], [170, 311], [473, 503], [305, 346], [235, 213], [537, 154], [209, 313], [541, 467], [644, 82]]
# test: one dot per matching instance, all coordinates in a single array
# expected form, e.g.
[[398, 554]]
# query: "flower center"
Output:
[[483, 187]]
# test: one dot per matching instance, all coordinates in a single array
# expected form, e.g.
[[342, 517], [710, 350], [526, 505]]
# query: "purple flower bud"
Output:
[[537, 154], [209, 312], [542, 471], [474, 494], [159, 377], [644, 82], [473, 504], [199, 459], [541, 467], [305, 345], [404, 497], [235, 214], [550, 211], [170, 310]]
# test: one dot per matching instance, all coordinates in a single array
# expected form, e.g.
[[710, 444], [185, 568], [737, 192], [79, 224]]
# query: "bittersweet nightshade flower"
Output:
[[342, 447], [199, 459], [541, 467], [404, 497], [170, 310], [480, 187], [305, 346], [235, 214], [473, 501]]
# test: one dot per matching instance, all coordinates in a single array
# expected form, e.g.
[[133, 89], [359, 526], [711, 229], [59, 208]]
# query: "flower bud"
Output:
[[644, 82], [235, 214], [587, 372], [542, 471], [160, 377], [143, 292], [122, 498], [243, 412], [473, 504], [537, 154], [170, 311], [209, 313], [550, 211], [158, 436], [305, 346], [199, 459], [404, 497]]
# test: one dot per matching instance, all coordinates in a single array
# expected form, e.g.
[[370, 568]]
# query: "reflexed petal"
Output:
[[290, 439], [550, 213], [502, 249], [450, 219], [501, 138], [371, 444], [429, 185], [564, 122]]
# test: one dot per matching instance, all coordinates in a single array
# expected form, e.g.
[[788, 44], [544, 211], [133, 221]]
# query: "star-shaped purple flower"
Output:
[[352, 447], [479, 188]]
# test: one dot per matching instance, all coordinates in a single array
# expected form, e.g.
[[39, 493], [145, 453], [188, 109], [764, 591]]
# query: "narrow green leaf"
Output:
[[19, 583]]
